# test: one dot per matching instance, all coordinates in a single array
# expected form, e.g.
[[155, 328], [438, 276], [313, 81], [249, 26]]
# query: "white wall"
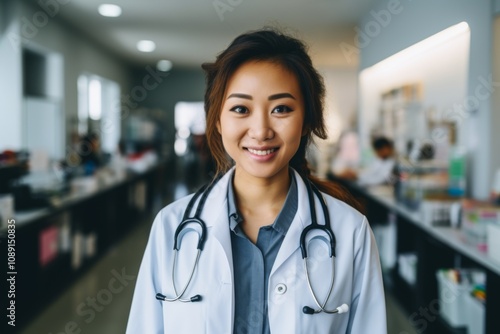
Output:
[[414, 21], [442, 72], [10, 78], [340, 113], [340, 100], [53, 35], [495, 114]]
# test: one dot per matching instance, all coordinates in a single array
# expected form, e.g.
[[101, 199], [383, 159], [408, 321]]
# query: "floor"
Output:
[[88, 306]]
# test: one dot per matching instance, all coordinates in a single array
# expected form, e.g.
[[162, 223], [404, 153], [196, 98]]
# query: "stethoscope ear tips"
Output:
[[196, 298], [339, 310], [343, 309], [161, 297], [307, 310]]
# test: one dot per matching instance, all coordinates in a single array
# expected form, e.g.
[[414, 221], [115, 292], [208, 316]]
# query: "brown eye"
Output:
[[239, 109], [282, 109]]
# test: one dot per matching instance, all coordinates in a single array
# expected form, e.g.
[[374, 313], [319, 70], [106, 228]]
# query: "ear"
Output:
[[218, 126]]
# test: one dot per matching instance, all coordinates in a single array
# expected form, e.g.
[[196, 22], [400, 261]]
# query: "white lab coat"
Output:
[[358, 280], [378, 172]]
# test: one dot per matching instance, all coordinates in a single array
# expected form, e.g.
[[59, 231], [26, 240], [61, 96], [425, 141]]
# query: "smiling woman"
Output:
[[262, 127], [242, 271]]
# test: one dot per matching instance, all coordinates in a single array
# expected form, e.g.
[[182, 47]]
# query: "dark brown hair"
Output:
[[269, 45]]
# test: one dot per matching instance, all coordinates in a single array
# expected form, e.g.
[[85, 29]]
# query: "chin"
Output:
[[264, 172]]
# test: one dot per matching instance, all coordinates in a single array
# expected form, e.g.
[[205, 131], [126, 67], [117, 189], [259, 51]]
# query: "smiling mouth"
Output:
[[262, 152]]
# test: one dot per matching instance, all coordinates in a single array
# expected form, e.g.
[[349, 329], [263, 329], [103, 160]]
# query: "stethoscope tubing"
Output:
[[332, 278], [326, 228], [186, 220]]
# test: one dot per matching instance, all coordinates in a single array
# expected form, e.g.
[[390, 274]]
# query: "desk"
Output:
[[436, 247]]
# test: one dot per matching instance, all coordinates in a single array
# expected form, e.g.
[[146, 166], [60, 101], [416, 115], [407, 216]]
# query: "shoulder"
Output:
[[341, 208], [171, 215], [345, 216]]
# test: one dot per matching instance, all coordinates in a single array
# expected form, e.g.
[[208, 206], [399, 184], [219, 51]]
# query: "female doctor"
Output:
[[264, 101]]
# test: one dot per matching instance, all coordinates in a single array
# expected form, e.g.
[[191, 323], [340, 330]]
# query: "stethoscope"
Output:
[[326, 228]]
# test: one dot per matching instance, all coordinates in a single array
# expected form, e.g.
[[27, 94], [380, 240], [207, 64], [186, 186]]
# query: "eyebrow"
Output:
[[270, 98], [241, 96], [280, 96]]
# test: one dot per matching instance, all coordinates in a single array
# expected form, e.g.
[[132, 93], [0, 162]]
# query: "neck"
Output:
[[261, 197]]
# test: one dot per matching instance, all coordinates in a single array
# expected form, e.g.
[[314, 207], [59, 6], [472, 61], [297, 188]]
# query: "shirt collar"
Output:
[[284, 218]]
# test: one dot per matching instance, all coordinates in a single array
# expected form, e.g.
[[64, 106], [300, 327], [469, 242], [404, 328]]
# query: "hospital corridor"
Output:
[[250, 167]]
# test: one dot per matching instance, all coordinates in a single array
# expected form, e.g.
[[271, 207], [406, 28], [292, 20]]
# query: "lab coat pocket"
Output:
[[182, 317]]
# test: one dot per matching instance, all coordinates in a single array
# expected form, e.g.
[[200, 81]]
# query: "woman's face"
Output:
[[262, 118]]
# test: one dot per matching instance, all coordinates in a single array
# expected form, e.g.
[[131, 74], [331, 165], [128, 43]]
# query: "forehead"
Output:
[[264, 77]]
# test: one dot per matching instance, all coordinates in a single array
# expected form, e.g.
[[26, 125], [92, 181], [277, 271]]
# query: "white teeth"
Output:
[[261, 152]]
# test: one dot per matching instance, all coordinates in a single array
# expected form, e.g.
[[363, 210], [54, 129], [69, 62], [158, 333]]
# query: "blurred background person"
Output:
[[90, 153], [381, 168]]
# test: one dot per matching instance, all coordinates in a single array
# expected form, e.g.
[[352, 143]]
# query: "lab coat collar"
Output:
[[215, 215], [216, 206]]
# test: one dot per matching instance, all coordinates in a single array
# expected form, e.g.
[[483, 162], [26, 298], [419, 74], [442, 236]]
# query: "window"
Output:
[[189, 120], [99, 110]]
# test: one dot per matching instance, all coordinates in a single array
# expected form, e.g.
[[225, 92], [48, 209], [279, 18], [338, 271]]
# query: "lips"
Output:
[[261, 151]]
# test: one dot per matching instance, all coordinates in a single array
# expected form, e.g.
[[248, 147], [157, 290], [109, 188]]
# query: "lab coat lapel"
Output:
[[292, 239], [216, 217], [220, 231]]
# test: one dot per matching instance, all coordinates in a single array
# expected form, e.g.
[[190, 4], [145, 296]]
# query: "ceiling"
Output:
[[190, 32]]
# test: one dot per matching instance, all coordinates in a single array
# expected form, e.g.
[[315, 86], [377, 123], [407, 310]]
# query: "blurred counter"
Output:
[[450, 236], [58, 243], [84, 188], [422, 247]]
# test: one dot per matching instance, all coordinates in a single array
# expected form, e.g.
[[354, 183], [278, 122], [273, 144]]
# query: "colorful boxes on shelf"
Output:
[[462, 294], [476, 218]]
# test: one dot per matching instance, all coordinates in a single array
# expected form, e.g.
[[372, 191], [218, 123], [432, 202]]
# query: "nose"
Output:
[[260, 127]]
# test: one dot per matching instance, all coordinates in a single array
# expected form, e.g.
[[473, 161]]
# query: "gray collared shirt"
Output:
[[253, 262]]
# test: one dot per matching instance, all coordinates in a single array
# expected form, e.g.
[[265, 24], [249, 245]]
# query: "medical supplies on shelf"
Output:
[[416, 181], [476, 218], [440, 210], [407, 267], [462, 295], [457, 171]]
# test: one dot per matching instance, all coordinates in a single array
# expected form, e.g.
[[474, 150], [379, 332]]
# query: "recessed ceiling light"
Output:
[[164, 65], [110, 10], [146, 46]]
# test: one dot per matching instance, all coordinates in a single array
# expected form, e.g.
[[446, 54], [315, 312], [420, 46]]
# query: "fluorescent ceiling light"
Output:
[[425, 45], [110, 10], [146, 46], [164, 65]]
